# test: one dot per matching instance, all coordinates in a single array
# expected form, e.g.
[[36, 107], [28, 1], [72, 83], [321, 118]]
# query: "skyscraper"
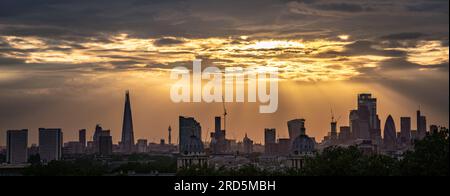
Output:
[[105, 145], [189, 130], [82, 137], [390, 134], [16, 146], [367, 101], [296, 127], [101, 140], [421, 125], [270, 141], [218, 141], [333, 132], [127, 128], [50, 144], [405, 130]]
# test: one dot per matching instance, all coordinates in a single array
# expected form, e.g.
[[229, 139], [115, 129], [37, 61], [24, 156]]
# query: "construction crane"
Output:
[[224, 114], [332, 117]]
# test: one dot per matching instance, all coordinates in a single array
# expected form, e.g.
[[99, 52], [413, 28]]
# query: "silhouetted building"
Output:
[[192, 152], [142, 146], [296, 127], [248, 145], [73, 148], [17, 146], [270, 141], [188, 127], [333, 132], [364, 122], [302, 148], [434, 129], [370, 103], [127, 141], [100, 132], [359, 124], [344, 134], [50, 144], [421, 125], [390, 134], [283, 146], [82, 137], [219, 143], [405, 131], [105, 145]]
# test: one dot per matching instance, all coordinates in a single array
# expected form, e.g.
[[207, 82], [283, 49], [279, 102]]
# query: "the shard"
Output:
[[127, 142]]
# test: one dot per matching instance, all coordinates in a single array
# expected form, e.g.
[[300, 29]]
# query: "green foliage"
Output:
[[429, 158], [247, 170], [338, 161], [34, 159], [146, 164], [80, 167]]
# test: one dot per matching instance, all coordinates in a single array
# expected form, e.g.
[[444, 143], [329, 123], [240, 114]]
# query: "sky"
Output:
[[68, 63]]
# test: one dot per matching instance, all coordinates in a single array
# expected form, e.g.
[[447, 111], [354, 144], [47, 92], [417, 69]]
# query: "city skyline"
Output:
[[66, 64], [127, 122]]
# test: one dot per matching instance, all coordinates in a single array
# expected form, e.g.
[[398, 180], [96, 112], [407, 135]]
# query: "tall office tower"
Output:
[[101, 147], [82, 137], [189, 128], [367, 101], [421, 125], [359, 124], [390, 134], [105, 144], [17, 146], [50, 144], [218, 140], [127, 128], [344, 134], [333, 132], [270, 141], [296, 128], [405, 130], [170, 135]]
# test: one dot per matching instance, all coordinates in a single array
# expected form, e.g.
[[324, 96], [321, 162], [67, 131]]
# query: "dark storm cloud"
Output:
[[5, 61], [403, 64], [168, 41], [404, 36], [430, 6]]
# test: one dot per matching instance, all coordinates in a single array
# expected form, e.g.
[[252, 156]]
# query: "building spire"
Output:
[[127, 128]]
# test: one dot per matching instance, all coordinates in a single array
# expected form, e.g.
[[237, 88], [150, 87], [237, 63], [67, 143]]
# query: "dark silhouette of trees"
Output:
[[429, 158]]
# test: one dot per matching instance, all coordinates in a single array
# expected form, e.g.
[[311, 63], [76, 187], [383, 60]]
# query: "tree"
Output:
[[429, 158]]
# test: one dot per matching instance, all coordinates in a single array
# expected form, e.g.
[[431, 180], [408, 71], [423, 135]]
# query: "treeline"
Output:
[[90, 166], [430, 157]]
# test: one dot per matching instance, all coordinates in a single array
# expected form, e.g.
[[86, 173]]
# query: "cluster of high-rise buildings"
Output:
[[51, 146], [364, 130]]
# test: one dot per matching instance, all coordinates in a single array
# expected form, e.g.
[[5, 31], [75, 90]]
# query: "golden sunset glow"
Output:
[[297, 59], [67, 63]]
